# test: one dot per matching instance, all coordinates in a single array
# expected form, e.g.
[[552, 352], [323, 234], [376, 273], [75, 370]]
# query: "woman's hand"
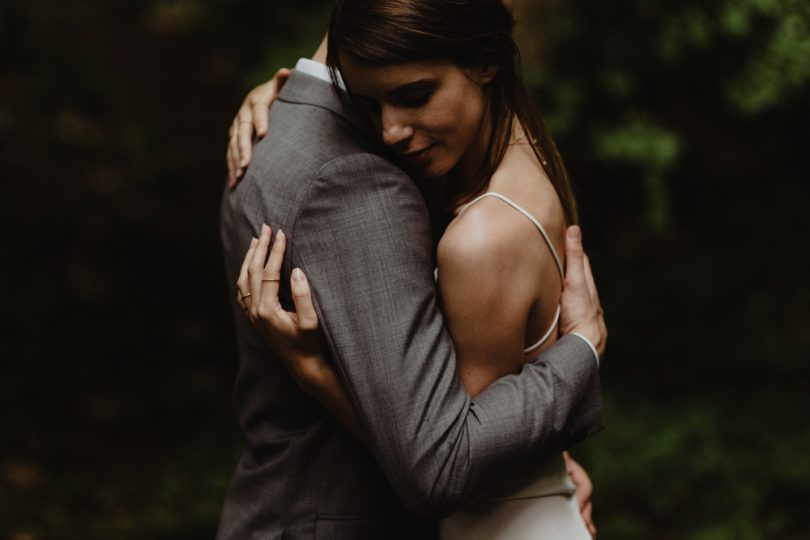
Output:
[[252, 117], [293, 336], [582, 312], [584, 491]]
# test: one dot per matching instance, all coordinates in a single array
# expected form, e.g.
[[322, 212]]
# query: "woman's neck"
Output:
[[465, 176]]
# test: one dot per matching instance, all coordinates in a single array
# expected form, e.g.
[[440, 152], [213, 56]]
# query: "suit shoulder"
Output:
[[364, 170]]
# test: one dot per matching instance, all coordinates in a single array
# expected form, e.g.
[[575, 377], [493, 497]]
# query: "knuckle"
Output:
[[300, 295], [307, 325]]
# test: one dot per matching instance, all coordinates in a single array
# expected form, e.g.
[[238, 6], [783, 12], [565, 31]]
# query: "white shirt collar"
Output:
[[317, 70]]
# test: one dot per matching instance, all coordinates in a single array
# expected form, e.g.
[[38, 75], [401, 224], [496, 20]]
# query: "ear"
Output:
[[482, 75]]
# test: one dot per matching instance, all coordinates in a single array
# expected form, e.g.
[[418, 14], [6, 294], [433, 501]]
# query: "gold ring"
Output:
[[245, 296], [271, 279]]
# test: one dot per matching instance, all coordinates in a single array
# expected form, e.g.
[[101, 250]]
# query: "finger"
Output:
[[273, 267], [242, 284], [302, 297], [233, 149], [260, 118], [587, 517], [590, 281], [255, 268], [581, 480], [229, 162], [259, 101], [233, 169], [574, 255], [272, 270], [260, 108], [229, 158], [584, 492], [245, 143], [587, 512]]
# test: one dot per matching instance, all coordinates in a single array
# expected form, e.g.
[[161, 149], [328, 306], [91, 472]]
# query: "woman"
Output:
[[439, 81]]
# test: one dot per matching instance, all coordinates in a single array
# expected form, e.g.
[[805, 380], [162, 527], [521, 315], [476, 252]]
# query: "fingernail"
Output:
[[574, 232], [279, 234], [253, 241], [297, 275], [265, 228]]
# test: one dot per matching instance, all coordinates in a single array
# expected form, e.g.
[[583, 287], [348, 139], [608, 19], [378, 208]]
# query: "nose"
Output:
[[395, 129]]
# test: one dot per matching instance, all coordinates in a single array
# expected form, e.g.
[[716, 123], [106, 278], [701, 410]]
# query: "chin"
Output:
[[436, 169]]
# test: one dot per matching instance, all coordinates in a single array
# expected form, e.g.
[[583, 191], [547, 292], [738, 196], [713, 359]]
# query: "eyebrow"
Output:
[[414, 85]]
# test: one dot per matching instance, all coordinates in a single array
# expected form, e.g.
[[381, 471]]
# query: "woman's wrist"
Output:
[[312, 374]]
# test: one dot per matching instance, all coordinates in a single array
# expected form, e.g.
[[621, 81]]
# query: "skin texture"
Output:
[[509, 301], [429, 112]]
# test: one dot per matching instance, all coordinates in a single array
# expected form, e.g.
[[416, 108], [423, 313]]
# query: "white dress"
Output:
[[545, 507]]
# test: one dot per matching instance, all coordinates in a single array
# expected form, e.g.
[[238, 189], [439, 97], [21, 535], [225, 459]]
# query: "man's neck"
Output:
[[320, 54]]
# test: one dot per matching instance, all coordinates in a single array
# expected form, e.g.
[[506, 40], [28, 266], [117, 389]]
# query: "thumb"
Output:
[[574, 256], [302, 297]]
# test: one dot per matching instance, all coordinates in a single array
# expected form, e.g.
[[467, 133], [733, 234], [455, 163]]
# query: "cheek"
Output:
[[467, 110], [455, 122]]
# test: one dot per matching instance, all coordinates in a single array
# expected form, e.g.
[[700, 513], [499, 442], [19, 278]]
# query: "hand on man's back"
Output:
[[581, 311]]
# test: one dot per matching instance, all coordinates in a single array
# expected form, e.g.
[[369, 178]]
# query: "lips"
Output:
[[420, 156]]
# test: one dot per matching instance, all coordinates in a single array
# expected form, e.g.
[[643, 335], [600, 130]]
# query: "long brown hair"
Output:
[[470, 34]]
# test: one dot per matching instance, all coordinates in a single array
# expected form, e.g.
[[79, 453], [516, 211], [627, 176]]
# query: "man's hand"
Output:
[[252, 117], [584, 491], [581, 311]]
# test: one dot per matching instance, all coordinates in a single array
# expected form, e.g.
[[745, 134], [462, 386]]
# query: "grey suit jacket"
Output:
[[359, 229]]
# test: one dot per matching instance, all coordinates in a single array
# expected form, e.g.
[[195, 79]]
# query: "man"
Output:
[[359, 229]]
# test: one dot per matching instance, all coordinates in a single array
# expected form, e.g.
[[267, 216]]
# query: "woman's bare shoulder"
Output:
[[522, 179], [487, 235]]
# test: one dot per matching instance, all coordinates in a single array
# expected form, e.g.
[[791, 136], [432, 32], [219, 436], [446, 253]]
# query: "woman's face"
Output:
[[429, 112]]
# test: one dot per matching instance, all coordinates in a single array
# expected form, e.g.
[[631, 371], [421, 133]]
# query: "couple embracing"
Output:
[[418, 328]]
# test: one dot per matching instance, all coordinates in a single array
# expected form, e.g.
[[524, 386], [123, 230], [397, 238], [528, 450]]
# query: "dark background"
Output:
[[684, 126]]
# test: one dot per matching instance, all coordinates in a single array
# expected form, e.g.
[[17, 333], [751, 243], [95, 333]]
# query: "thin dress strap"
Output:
[[540, 228]]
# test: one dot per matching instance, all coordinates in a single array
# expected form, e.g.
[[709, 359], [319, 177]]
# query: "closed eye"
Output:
[[416, 99]]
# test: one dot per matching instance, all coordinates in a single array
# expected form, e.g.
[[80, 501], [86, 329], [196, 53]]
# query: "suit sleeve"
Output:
[[364, 241]]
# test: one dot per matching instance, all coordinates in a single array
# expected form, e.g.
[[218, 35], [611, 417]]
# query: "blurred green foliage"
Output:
[[683, 125]]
